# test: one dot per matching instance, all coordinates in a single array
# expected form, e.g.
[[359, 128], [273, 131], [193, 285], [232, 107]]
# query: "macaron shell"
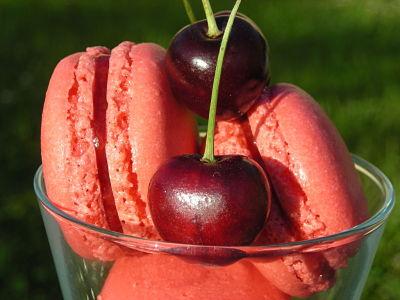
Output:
[[124, 182], [160, 127], [308, 163], [69, 155], [169, 277], [298, 275], [55, 136], [146, 126]]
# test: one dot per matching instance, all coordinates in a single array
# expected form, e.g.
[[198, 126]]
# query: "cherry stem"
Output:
[[189, 11], [213, 30], [209, 150]]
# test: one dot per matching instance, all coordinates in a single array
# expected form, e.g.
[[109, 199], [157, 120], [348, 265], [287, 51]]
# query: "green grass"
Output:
[[346, 53]]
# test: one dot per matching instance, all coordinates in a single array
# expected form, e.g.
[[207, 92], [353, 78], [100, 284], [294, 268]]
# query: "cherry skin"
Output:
[[224, 203], [191, 61]]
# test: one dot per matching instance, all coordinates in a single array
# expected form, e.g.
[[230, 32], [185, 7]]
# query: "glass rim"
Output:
[[365, 228]]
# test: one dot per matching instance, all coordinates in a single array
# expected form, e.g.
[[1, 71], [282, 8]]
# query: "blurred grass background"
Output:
[[346, 53]]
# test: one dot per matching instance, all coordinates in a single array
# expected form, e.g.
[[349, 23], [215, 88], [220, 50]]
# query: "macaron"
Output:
[[74, 179], [309, 165], [297, 275], [145, 127], [316, 188], [158, 276], [109, 120]]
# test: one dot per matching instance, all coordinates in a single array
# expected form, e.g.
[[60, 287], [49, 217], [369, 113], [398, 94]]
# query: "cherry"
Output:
[[209, 200], [219, 203], [191, 62]]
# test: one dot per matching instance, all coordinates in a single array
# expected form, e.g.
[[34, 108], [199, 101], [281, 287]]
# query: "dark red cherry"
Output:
[[221, 203], [191, 61]]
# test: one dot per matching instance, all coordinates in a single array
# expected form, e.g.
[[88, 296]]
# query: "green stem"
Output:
[[213, 30], [209, 150], [189, 11]]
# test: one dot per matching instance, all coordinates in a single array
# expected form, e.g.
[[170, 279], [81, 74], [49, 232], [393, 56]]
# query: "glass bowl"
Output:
[[95, 263]]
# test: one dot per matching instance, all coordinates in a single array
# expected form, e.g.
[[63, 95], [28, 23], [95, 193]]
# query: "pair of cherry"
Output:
[[213, 200]]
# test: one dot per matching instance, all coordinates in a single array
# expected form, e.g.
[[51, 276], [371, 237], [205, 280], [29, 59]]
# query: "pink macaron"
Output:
[[104, 125], [74, 180], [316, 188], [168, 277], [145, 127], [297, 275]]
